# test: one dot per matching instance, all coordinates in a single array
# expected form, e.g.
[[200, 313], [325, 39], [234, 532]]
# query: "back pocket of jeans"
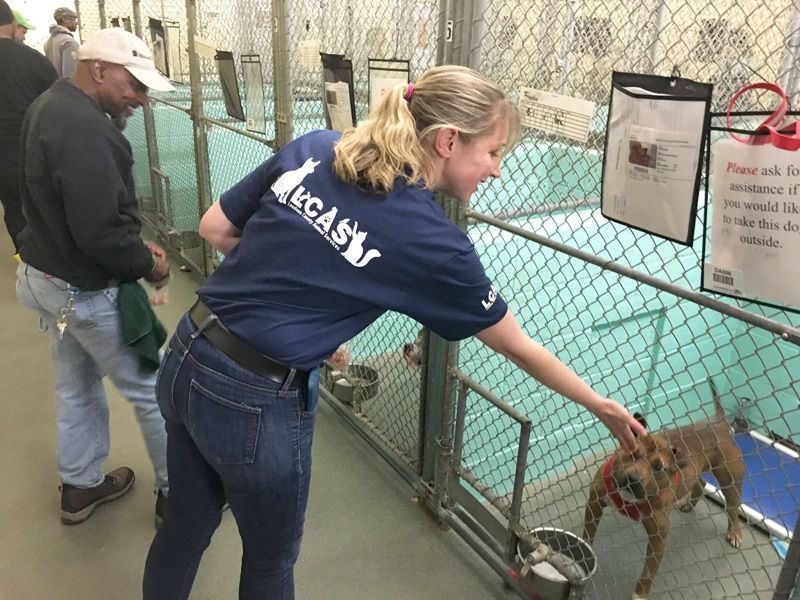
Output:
[[224, 429]]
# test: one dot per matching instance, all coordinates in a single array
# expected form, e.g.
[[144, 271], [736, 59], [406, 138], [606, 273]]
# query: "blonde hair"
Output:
[[389, 144]]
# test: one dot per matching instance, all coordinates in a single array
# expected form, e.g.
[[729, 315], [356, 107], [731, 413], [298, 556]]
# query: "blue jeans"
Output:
[[92, 348], [233, 436]]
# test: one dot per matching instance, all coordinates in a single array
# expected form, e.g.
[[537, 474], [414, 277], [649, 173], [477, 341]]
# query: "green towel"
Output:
[[141, 329]]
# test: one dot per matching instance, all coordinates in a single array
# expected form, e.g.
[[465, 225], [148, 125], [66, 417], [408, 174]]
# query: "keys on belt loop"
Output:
[[289, 379], [205, 323], [66, 314]]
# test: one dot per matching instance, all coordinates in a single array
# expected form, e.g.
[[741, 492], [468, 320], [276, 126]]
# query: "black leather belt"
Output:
[[236, 349]]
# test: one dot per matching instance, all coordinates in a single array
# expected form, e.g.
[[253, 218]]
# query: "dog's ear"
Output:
[[681, 458], [640, 417]]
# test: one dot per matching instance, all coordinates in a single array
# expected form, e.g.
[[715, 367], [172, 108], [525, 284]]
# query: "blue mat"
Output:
[[771, 481]]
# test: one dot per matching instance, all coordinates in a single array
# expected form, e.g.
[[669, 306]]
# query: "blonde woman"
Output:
[[321, 240]]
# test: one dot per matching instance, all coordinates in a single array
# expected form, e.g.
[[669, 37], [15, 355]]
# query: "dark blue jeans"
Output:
[[232, 436]]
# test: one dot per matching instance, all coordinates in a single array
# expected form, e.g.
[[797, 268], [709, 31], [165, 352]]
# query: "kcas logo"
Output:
[[289, 191]]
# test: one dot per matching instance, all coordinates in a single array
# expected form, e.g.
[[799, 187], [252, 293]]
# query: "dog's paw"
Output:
[[638, 597], [684, 504], [734, 538]]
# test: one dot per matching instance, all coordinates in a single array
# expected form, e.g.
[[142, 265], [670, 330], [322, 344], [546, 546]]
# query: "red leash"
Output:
[[786, 137]]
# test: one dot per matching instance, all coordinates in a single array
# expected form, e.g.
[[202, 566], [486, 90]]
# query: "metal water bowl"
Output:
[[543, 581], [358, 385]]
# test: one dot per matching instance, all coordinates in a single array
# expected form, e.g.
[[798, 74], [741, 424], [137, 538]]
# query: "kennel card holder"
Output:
[[752, 220], [383, 75], [230, 84], [172, 45], [337, 81], [656, 132], [158, 42], [254, 93]]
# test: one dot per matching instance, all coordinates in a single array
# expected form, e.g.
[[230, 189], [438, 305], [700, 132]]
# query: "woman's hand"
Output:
[[340, 360], [620, 423]]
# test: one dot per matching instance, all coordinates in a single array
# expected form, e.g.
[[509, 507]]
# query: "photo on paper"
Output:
[[642, 154]]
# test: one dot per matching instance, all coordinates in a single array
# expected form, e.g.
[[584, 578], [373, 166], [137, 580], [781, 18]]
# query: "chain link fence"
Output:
[[617, 305], [635, 332]]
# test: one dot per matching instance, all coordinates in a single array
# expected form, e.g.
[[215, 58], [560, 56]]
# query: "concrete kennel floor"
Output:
[[365, 538]]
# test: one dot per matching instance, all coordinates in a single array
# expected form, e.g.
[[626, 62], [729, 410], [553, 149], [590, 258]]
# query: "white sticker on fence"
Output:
[[556, 114], [723, 279], [309, 53]]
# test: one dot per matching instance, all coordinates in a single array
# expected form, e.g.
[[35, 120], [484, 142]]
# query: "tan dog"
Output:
[[663, 473]]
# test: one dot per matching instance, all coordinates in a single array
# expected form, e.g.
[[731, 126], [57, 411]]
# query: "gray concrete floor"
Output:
[[365, 537]]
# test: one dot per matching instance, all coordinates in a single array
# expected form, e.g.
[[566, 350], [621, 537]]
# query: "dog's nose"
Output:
[[633, 482]]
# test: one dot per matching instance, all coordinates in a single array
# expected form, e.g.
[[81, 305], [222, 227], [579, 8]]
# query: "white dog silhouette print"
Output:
[[291, 179]]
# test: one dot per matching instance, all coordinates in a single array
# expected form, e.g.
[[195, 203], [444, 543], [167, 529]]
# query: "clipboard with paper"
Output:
[[656, 132]]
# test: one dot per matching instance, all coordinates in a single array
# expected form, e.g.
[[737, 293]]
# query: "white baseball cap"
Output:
[[115, 45]]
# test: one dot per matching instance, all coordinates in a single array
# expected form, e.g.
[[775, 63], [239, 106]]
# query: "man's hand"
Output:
[[161, 268]]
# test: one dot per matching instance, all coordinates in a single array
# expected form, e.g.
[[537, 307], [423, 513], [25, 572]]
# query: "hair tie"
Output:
[[408, 92]]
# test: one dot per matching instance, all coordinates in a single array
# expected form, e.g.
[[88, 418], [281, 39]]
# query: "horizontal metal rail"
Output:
[[269, 143], [171, 104], [493, 398], [785, 332]]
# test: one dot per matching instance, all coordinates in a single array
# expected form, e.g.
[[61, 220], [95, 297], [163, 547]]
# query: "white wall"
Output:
[[39, 14]]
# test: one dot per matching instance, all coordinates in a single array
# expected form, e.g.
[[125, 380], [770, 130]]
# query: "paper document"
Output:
[[381, 82], [555, 114], [337, 98], [755, 222], [651, 163], [309, 53]]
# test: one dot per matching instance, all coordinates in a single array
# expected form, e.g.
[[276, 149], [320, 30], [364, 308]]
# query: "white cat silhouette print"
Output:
[[291, 179], [355, 254], [289, 190]]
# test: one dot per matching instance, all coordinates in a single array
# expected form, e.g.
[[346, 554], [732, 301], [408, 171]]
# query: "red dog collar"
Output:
[[632, 511]]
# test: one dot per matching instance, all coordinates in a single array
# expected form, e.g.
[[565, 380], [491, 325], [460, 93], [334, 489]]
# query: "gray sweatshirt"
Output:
[[62, 50]]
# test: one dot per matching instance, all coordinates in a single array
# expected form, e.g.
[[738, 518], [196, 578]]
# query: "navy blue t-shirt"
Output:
[[319, 260]]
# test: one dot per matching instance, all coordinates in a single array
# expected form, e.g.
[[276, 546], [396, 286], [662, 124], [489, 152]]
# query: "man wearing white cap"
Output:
[[81, 242]]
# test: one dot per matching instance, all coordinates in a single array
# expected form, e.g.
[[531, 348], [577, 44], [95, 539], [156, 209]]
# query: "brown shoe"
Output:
[[78, 504]]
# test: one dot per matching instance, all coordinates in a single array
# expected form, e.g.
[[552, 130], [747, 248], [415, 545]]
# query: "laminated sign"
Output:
[[657, 127], [755, 211]]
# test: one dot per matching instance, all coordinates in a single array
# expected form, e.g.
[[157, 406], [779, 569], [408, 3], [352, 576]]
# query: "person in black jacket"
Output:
[[24, 74], [82, 240]]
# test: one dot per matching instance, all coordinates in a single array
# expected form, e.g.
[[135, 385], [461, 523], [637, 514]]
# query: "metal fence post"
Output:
[[282, 81], [443, 357], [78, 12], [101, 6], [149, 125], [199, 128]]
